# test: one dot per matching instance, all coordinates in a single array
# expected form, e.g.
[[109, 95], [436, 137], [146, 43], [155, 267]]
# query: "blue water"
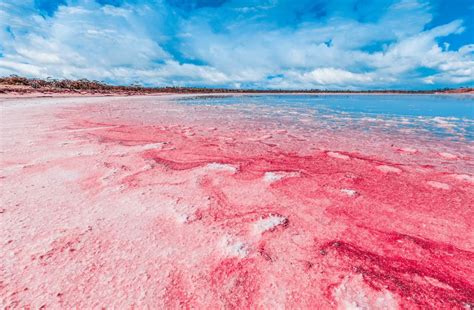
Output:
[[444, 116]]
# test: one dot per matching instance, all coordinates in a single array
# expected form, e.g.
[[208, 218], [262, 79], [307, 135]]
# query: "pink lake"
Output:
[[246, 202]]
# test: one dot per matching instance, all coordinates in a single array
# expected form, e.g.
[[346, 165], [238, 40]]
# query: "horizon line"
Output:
[[94, 85]]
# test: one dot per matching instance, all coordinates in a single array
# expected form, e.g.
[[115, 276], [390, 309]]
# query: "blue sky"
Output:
[[353, 44]]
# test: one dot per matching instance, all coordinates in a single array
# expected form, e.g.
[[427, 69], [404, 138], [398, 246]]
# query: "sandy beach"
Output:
[[142, 202]]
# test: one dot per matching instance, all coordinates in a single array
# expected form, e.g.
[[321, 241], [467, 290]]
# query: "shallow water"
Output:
[[435, 116]]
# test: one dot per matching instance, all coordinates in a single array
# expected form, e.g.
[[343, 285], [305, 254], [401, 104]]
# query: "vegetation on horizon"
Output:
[[84, 85]]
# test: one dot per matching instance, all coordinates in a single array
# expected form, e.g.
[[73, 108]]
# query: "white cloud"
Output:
[[332, 76], [149, 42], [422, 50]]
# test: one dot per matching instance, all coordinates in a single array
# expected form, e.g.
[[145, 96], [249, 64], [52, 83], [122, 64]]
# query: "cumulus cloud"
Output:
[[276, 44], [332, 76]]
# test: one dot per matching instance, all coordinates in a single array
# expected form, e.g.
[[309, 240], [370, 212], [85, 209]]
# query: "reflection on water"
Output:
[[448, 117]]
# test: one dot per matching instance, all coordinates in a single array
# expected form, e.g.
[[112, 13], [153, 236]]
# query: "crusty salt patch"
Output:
[[268, 223], [439, 185], [448, 155], [338, 155], [273, 176], [125, 150], [349, 192], [353, 294], [221, 167], [389, 169], [464, 177], [408, 150], [233, 248]]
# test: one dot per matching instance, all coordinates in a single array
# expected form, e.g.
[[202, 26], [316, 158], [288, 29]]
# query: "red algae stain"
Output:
[[175, 207], [428, 282]]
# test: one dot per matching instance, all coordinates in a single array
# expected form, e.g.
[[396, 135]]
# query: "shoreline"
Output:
[[68, 94], [21, 87]]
